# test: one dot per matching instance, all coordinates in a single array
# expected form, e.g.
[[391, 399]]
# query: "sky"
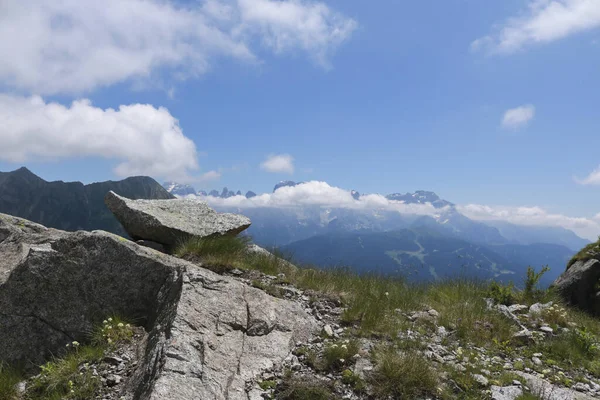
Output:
[[493, 105]]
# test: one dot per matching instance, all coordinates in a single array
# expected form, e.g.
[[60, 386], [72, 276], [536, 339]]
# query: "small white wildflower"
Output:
[[110, 320], [387, 294], [344, 347], [105, 322], [120, 325], [75, 344], [128, 326], [342, 360], [109, 340], [334, 346]]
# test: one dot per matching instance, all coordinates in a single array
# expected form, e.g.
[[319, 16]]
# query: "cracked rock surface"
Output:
[[209, 336]]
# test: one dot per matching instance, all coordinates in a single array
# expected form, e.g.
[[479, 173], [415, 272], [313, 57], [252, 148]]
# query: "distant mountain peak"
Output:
[[420, 197], [286, 183], [178, 188]]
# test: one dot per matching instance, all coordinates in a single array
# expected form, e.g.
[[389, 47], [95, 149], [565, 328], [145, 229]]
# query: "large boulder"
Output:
[[169, 222], [209, 335], [578, 285]]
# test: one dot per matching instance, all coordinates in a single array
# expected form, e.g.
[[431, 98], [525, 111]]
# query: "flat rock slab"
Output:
[[170, 222], [209, 336]]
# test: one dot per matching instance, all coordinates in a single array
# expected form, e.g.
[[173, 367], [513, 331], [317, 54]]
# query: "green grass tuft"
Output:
[[403, 376], [296, 389], [9, 378]]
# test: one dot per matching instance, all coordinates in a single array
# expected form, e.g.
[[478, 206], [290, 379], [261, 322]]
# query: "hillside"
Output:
[[70, 206], [425, 255]]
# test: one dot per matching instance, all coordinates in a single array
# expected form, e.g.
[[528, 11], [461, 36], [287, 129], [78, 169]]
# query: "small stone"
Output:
[[482, 380], [536, 360], [328, 330], [506, 393], [547, 329], [581, 387], [537, 354], [433, 313], [113, 380], [113, 360]]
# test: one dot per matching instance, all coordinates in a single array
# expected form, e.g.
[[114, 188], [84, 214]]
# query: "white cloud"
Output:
[[315, 193], [279, 163], [518, 117], [544, 21], [74, 46], [533, 216], [286, 25], [592, 179], [209, 176], [142, 139]]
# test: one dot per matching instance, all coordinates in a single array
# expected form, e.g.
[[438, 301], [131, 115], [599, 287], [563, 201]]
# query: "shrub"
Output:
[[403, 376], [532, 280], [502, 294]]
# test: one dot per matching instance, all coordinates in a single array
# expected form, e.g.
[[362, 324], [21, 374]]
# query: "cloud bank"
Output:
[[75, 46], [543, 21], [588, 228], [142, 139], [278, 163], [518, 117], [317, 193]]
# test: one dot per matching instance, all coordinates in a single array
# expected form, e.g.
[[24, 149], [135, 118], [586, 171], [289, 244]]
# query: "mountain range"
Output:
[[384, 241], [70, 206], [420, 247]]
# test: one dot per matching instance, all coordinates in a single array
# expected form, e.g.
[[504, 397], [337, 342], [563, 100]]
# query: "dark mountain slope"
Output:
[[418, 254], [422, 254], [70, 205]]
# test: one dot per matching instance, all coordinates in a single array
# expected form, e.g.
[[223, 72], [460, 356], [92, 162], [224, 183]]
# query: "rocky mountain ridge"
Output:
[[70, 206]]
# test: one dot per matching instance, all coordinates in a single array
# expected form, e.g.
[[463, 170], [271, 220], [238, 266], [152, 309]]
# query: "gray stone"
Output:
[[549, 391], [547, 329], [210, 336], [524, 336], [536, 360], [577, 285], [506, 393], [538, 308], [515, 308], [328, 331], [362, 367], [170, 222], [482, 380]]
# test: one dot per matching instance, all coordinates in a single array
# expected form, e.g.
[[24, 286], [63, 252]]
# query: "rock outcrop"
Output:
[[578, 285], [209, 335], [170, 222]]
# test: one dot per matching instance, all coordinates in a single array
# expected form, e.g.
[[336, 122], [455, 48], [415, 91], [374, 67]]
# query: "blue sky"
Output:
[[383, 98]]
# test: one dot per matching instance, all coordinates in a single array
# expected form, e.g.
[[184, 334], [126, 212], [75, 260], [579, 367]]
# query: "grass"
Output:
[[402, 375], [62, 379], [377, 306], [585, 254], [69, 377], [302, 389], [9, 378]]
